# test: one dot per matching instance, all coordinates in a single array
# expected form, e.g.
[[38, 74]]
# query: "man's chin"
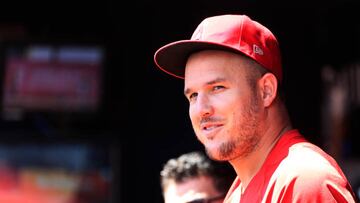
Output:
[[215, 155]]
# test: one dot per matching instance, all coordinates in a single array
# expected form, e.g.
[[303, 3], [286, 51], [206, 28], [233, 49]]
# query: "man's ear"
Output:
[[268, 85]]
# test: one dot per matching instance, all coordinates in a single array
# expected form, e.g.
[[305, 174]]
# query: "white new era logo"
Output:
[[257, 50]]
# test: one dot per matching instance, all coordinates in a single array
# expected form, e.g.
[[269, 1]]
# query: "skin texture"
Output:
[[223, 108], [191, 189], [234, 109]]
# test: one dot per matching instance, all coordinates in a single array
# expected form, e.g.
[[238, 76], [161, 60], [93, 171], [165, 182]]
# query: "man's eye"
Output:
[[192, 96], [218, 87]]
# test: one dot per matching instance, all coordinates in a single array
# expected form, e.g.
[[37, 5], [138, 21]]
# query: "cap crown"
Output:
[[245, 35], [235, 33]]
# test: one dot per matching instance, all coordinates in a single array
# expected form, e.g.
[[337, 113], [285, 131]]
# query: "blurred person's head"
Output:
[[194, 178]]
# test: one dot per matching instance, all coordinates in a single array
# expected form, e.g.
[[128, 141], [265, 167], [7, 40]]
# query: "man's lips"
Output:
[[210, 129], [210, 126]]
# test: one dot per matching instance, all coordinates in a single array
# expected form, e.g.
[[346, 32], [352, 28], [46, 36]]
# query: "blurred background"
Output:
[[87, 118]]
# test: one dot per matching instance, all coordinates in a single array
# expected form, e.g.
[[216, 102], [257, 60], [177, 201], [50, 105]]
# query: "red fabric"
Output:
[[295, 171], [234, 33]]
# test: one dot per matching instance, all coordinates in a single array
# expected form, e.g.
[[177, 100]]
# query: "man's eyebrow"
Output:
[[216, 80]]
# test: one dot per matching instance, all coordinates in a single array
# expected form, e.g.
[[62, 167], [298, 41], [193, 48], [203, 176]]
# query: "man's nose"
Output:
[[203, 106]]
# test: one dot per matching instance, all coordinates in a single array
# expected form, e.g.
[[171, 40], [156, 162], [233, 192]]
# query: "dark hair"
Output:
[[255, 71], [195, 164]]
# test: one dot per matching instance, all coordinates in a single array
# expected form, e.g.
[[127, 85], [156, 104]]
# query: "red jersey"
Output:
[[295, 171]]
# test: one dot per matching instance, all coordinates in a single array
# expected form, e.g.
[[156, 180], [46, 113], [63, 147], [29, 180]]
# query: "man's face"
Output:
[[200, 190], [224, 108]]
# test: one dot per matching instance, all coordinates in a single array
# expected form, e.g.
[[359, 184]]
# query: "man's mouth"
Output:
[[210, 127]]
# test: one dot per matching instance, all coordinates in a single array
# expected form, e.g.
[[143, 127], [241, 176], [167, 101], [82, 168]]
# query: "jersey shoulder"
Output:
[[308, 174]]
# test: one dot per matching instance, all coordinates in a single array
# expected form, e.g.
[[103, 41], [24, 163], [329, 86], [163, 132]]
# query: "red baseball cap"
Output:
[[234, 33]]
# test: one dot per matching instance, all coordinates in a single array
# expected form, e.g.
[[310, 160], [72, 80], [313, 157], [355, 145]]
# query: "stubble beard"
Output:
[[247, 139]]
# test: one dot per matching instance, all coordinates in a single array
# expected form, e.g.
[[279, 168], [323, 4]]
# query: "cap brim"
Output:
[[172, 57]]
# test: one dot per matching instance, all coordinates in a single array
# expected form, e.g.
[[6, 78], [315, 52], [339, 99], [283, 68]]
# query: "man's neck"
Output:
[[247, 167]]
